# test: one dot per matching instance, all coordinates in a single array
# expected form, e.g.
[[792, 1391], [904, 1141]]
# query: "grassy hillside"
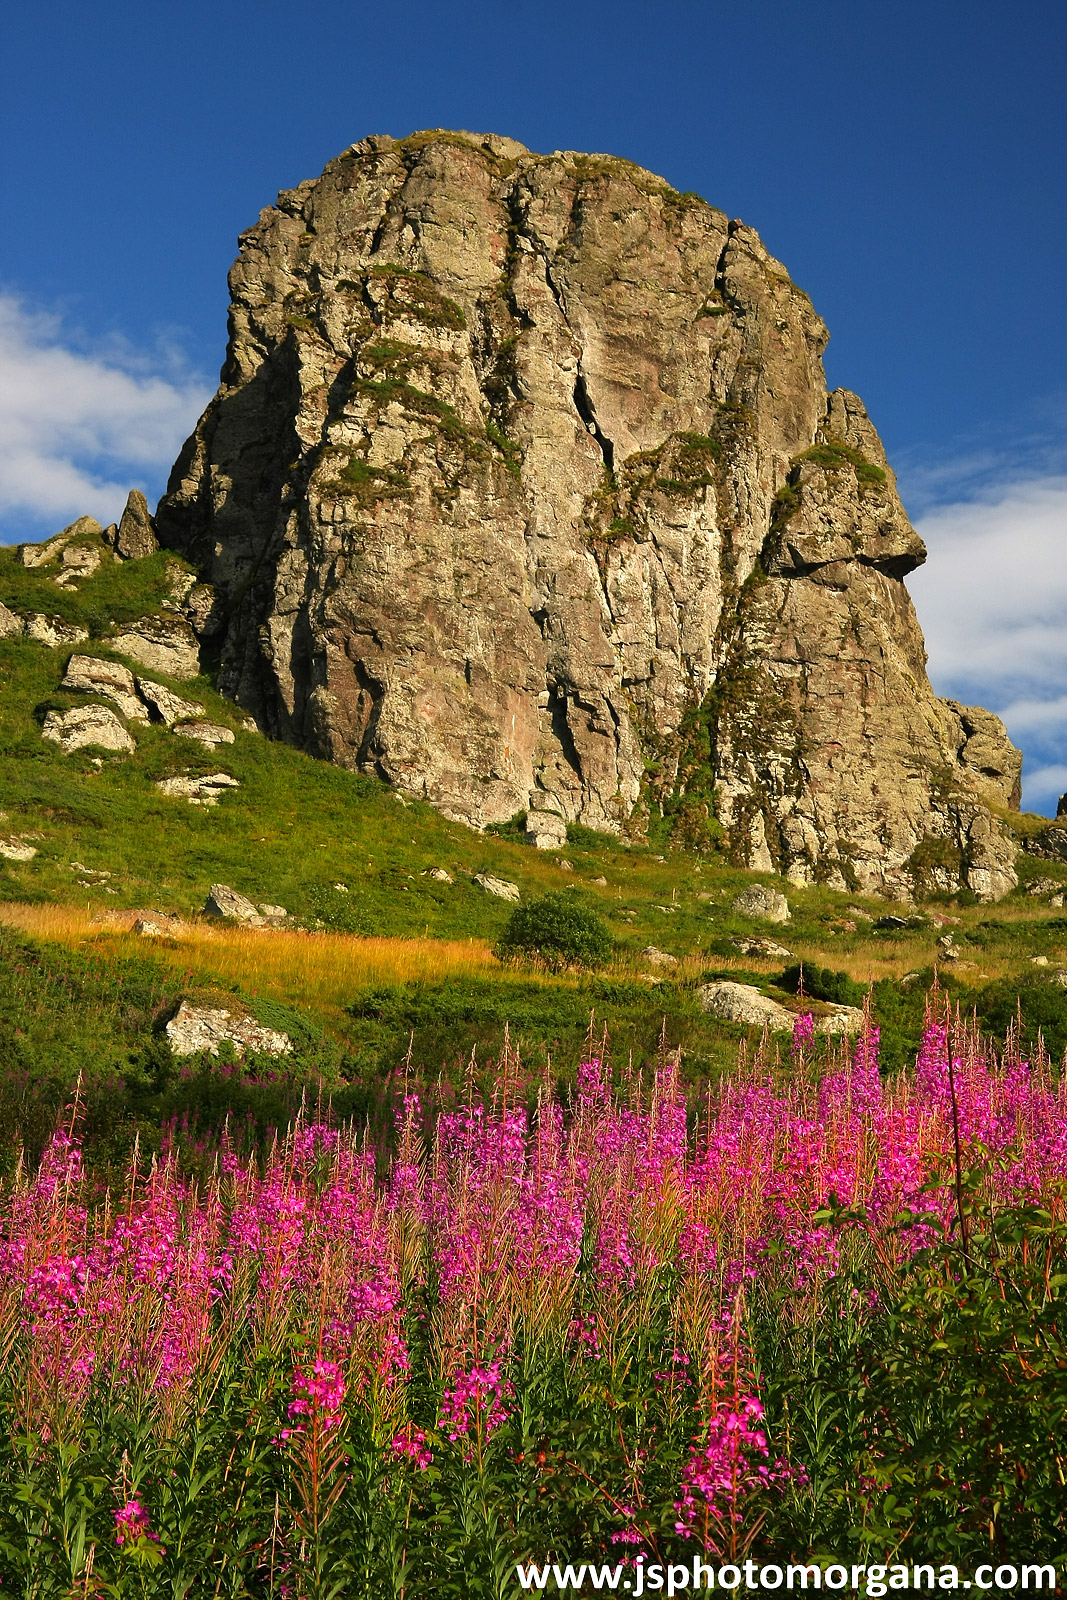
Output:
[[381, 956]]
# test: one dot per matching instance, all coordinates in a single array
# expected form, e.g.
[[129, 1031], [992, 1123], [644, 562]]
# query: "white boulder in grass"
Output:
[[170, 707], [209, 733], [87, 726], [109, 679], [501, 887], [196, 1028], [762, 903]]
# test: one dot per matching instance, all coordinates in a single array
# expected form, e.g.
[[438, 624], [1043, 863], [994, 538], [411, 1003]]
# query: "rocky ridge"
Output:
[[523, 490]]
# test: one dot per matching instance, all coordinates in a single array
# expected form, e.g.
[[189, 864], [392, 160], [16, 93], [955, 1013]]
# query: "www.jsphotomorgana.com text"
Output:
[[866, 1578]]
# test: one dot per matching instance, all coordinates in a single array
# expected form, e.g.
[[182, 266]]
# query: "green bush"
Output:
[[822, 983], [560, 928]]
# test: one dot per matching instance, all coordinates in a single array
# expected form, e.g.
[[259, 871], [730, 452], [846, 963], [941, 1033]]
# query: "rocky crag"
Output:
[[523, 490]]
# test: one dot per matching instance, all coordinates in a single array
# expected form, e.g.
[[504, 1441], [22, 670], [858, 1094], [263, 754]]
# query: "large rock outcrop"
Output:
[[523, 490]]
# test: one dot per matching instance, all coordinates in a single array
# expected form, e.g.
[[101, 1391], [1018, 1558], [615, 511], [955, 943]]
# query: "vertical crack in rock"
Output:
[[523, 485]]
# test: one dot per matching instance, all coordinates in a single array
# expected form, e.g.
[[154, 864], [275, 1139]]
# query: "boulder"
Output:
[[498, 886], [224, 902], [762, 903], [741, 1002], [658, 958], [53, 631], [209, 733], [16, 850], [91, 675], [134, 538], [165, 644], [545, 830], [78, 561], [87, 725], [846, 1020], [203, 1028], [768, 948], [39, 555], [1051, 843], [275, 915], [11, 626], [169, 707], [203, 791]]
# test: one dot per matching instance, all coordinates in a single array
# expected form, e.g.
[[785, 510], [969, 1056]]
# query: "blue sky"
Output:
[[905, 160]]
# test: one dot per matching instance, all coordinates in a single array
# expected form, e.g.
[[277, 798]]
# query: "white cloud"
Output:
[[992, 601], [79, 428]]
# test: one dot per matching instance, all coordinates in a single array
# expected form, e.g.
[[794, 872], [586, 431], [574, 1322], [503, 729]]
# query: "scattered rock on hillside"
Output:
[[134, 537], [1060, 977], [170, 707], [87, 725], [658, 958], [762, 947], [847, 1020], [162, 644], [202, 791], [39, 555], [224, 902], [498, 886], [10, 624], [564, 865], [601, 883], [1051, 843], [441, 875], [1038, 961], [150, 929], [78, 561], [741, 1002], [16, 850], [209, 733], [763, 903], [53, 631], [545, 830], [90, 675], [859, 913], [274, 914], [196, 1028]]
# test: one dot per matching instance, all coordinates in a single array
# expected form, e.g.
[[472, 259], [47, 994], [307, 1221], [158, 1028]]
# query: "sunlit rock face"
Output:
[[523, 490]]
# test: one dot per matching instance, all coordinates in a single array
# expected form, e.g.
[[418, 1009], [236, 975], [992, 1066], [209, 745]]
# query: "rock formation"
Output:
[[523, 490]]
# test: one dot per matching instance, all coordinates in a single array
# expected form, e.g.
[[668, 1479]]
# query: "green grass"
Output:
[[347, 856]]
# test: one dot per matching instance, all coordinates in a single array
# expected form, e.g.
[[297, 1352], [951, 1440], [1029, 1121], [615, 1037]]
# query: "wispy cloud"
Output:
[[80, 424], [992, 600]]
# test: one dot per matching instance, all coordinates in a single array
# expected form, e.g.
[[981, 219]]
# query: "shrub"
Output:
[[822, 983], [560, 928]]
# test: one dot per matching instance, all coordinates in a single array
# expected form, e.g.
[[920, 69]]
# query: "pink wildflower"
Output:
[[131, 1524]]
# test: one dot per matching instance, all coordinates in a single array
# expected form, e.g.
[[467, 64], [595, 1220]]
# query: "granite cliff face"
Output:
[[523, 490]]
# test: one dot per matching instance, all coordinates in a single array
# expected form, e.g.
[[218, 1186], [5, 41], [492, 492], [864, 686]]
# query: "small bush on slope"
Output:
[[560, 928]]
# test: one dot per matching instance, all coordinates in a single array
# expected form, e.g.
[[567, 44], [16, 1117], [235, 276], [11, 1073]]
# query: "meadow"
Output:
[[821, 1311], [502, 1263]]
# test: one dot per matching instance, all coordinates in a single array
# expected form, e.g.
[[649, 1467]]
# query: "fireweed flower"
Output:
[[318, 1396], [475, 1402], [131, 1524], [721, 1475], [803, 1036], [413, 1445]]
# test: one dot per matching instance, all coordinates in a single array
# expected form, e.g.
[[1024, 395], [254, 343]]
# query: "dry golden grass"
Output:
[[315, 969]]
